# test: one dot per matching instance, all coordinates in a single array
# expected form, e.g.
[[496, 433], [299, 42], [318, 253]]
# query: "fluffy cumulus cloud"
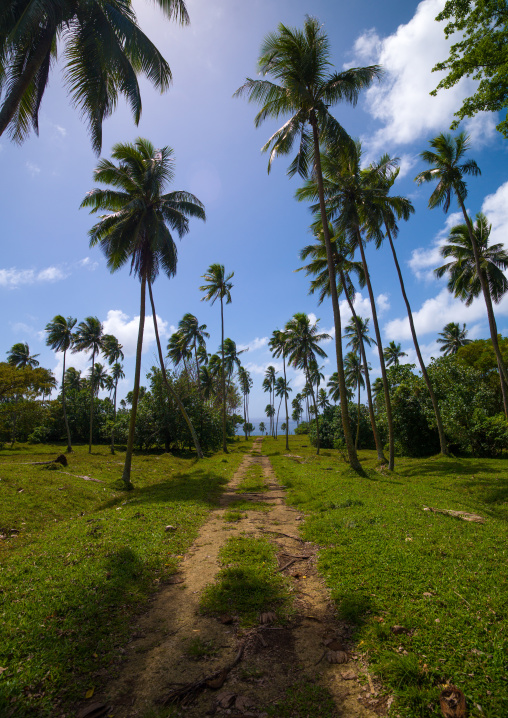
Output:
[[126, 330], [13, 278], [257, 343], [401, 102], [495, 207], [363, 308], [424, 260]]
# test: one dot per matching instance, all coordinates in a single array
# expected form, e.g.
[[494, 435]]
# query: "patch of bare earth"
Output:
[[270, 658]]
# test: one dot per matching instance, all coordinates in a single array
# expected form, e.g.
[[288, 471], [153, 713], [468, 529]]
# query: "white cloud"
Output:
[[256, 343], [495, 207], [33, 169], [401, 101], [260, 369], [424, 260], [87, 263], [13, 278], [362, 307], [22, 328], [406, 164], [126, 330]]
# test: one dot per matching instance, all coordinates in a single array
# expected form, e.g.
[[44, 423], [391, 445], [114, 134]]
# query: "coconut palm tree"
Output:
[[449, 169], [262, 427], [282, 390], [246, 383], [303, 348], [20, 357], [452, 338], [296, 405], [138, 231], [98, 378], [333, 389], [88, 338], [231, 356], [194, 335], [392, 208], [270, 412], [112, 349], [219, 286], [73, 379], [59, 339], [278, 346], [355, 380], [269, 385], [117, 373], [305, 87], [103, 52], [322, 400], [178, 349], [392, 354]]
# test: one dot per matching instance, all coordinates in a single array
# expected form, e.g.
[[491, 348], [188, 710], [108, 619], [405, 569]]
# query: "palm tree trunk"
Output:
[[286, 401], [377, 440], [391, 456], [351, 451], [315, 405], [92, 392], [488, 300], [69, 447], [166, 380], [126, 476], [358, 418], [223, 378], [435, 405], [114, 419]]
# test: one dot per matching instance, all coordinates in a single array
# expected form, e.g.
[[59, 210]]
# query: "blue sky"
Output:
[[254, 226]]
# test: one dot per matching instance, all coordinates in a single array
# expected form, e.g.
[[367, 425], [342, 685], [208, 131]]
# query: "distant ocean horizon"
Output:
[[256, 422]]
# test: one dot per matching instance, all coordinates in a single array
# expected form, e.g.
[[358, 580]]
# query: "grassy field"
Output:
[[389, 563], [79, 558]]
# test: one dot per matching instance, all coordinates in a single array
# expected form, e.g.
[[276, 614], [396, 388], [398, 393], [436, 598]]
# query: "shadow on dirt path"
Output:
[[274, 658]]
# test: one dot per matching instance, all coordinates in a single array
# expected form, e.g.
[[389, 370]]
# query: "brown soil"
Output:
[[275, 658]]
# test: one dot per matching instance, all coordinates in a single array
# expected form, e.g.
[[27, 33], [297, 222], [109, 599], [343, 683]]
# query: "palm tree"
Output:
[[449, 169], [270, 412], [178, 349], [231, 359], [278, 346], [296, 405], [112, 350], [303, 347], [104, 51], [138, 230], [73, 379], [333, 389], [262, 427], [219, 286], [207, 382], [59, 339], [269, 385], [88, 338], [393, 208], [392, 354], [322, 400], [117, 373], [282, 389], [300, 62], [245, 382], [98, 378], [20, 357], [194, 336], [354, 378], [452, 338]]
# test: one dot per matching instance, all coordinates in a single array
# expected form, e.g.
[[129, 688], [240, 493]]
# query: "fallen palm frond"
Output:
[[464, 515]]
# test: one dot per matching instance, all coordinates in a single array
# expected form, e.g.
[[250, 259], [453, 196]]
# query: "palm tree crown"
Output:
[[392, 354], [452, 338], [20, 357]]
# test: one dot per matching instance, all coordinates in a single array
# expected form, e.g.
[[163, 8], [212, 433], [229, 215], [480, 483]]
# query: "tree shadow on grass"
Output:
[[448, 467], [492, 491]]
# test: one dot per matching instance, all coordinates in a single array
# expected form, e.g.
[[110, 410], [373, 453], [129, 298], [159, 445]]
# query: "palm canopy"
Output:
[[218, 284], [392, 354], [354, 369], [193, 333], [20, 357], [88, 336], [448, 168], [112, 349], [303, 341], [59, 333], [351, 332], [142, 215], [463, 279], [452, 338], [103, 52], [305, 87]]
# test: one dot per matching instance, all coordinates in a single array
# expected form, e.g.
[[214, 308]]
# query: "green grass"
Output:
[[233, 516], [197, 648], [253, 481], [382, 553], [87, 558], [248, 583], [305, 701]]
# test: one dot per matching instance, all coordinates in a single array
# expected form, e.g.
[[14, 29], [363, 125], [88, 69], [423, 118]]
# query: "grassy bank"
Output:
[[390, 563], [79, 558]]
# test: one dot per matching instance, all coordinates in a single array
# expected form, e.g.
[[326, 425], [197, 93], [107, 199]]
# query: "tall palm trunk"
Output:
[[286, 401], [223, 378], [351, 451], [358, 416], [306, 369], [126, 477], [488, 302], [114, 419], [166, 380], [64, 407], [435, 405], [377, 440], [92, 392], [391, 456]]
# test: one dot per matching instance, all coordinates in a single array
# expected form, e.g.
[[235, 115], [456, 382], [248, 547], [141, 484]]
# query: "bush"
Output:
[[331, 432], [302, 428], [39, 435]]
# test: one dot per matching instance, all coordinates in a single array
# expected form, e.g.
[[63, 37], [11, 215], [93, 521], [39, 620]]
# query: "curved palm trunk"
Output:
[[223, 378], [377, 440], [435, 405], [358, 417], [114, 419], [64, 407], [126, 476], [92, 392], [488, 302], [166, 380], [351, 451], [391, 457], [286, 401]]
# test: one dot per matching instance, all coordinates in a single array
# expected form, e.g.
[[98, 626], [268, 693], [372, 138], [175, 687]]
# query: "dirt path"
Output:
[[275, 658]]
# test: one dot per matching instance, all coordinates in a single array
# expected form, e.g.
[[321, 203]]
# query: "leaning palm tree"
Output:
[[20, 357], [88, 338], [303, 348], [59, 338], [392, 353], [305, 87], [219, 286], [278, 347], [452, 338], [104, 51], [138, 231], [449, 169]]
